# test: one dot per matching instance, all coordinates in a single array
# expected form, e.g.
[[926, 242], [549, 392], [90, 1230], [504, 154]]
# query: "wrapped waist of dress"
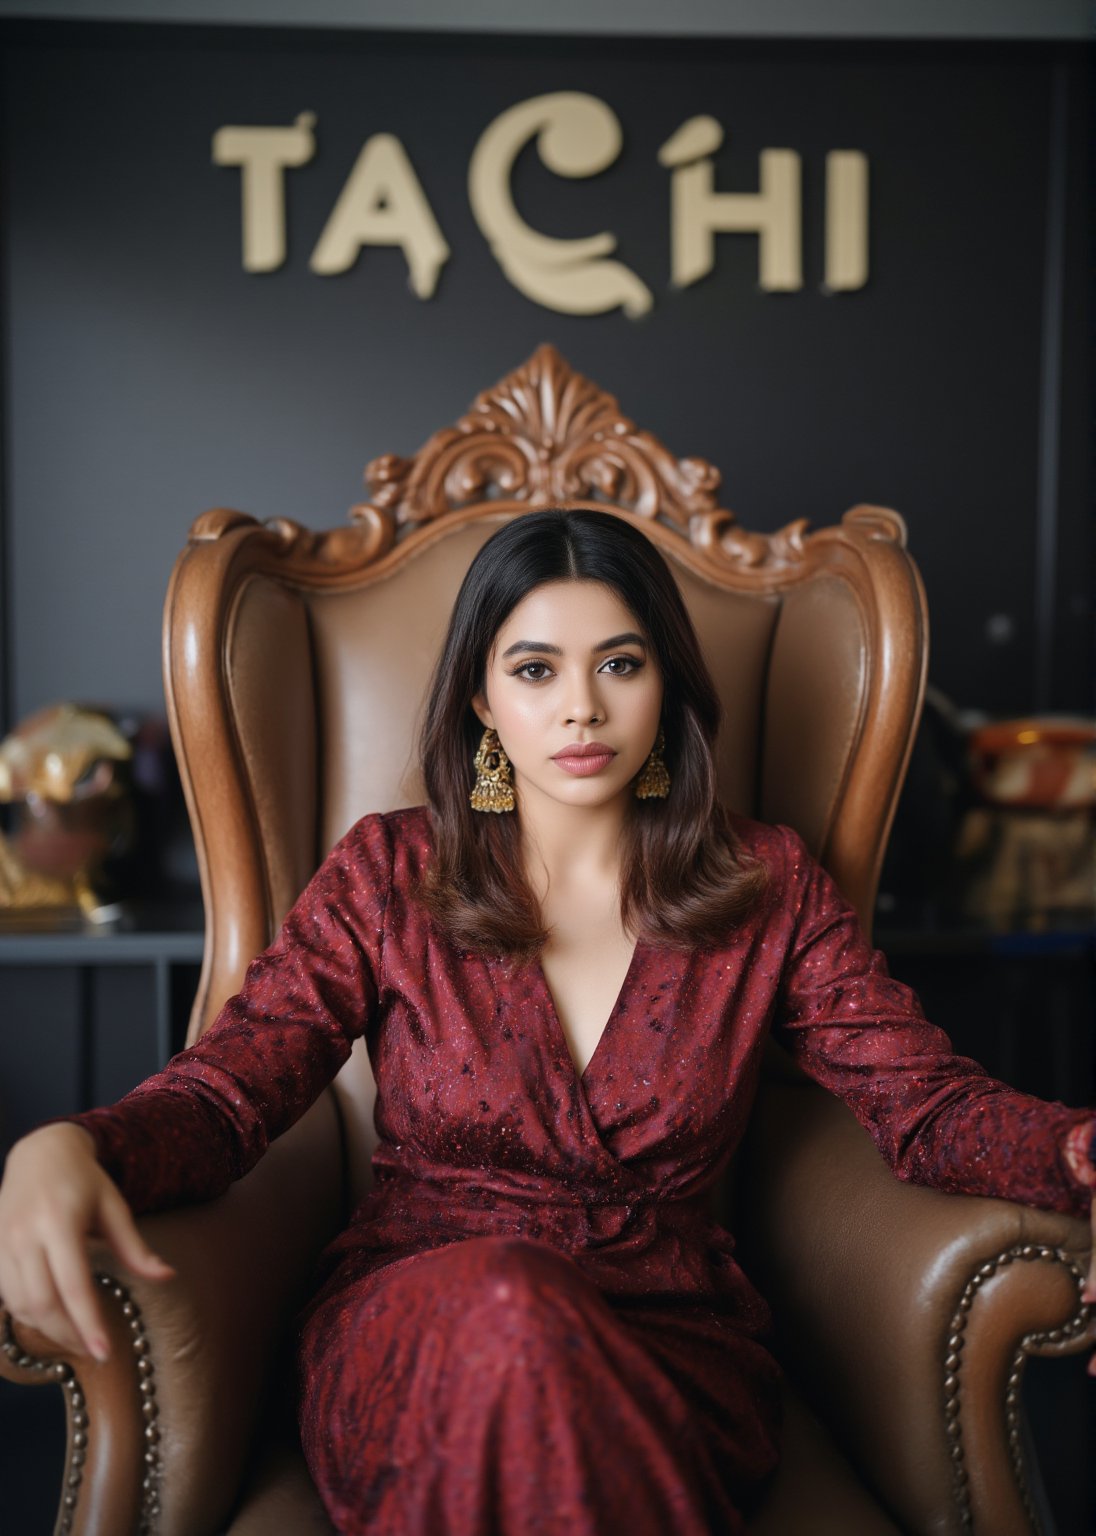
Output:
[[488, 1203]]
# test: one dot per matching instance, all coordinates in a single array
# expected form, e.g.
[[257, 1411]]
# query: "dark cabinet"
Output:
[[86, 1015]]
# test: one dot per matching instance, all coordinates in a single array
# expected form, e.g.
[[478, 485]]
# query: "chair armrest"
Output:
[[162, 1430], [908, 1314], [104, 1458]]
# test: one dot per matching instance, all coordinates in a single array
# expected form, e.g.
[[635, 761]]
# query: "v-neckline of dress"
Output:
[[553, 1013]]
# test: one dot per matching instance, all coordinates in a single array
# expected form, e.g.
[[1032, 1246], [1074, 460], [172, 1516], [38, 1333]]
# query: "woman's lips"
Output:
[[583, 767]]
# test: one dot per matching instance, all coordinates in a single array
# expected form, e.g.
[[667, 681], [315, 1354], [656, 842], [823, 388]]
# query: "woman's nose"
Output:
[[584, 706]]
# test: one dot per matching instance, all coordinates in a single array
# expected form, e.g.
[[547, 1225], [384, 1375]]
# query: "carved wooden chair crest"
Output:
[[294, 665]]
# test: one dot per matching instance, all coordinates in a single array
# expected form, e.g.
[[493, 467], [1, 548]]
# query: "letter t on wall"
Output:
[[698, 212], [262, 155]]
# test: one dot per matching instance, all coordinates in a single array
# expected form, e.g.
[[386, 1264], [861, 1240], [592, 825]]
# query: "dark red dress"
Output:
[[530, 1324]]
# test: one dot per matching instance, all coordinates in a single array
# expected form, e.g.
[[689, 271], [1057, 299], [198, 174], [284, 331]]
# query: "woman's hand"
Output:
[[1089, 1291], [54, 1197], [1079, 1159]]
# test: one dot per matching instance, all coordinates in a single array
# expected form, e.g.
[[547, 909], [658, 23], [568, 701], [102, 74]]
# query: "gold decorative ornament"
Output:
[[653, 782], [494, 788], [63, 772]]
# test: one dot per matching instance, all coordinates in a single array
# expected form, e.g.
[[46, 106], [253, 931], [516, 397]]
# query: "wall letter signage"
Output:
[[846, 220], [577, 135], [383, 203], [697, 212], [262, 155]]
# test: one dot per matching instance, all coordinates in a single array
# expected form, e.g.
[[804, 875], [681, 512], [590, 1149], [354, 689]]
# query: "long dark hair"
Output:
[[685, 880]]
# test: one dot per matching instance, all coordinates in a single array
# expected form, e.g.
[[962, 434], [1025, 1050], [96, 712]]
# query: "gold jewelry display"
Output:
[[654, 777], [494, 787]]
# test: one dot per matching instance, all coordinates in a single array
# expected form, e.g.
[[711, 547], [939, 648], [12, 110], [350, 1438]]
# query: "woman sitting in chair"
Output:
[[565, 966]]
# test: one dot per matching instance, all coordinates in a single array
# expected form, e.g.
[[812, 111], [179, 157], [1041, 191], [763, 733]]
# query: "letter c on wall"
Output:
[[577, 135]]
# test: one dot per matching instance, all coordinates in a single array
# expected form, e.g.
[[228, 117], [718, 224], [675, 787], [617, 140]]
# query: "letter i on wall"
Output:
[[846, 221]]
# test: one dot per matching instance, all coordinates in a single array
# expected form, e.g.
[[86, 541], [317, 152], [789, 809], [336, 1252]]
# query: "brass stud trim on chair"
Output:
[[1031, 1342], [64, 1374], [150, 1411]]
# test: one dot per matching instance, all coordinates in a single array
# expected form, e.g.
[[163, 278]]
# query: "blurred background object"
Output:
[[996, 827], [64, 772], [1026, 853], [91, 796]]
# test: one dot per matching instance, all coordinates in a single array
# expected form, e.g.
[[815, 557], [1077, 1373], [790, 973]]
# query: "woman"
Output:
[[565, 967]]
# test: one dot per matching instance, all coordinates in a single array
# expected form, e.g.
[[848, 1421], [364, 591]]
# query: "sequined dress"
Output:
[[531, 1324]]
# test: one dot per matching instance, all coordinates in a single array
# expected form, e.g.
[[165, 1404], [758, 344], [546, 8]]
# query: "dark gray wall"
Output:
[[148, 376]]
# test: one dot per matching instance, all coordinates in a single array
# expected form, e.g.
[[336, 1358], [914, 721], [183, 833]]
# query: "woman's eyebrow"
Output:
[[628, 638]]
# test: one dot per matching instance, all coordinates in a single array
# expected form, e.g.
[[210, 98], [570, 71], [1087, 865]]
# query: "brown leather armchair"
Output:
[[294, 666]]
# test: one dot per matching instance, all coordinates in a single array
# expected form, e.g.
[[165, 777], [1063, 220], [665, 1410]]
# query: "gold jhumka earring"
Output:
[[494, 787], [653, 782]]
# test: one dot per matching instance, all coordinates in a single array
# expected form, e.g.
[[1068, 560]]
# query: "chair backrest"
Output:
[[296, 661]]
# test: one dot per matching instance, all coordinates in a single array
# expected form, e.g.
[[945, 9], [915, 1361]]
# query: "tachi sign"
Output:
[[578, 135]]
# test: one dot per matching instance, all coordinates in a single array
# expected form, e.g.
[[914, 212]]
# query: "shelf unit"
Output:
[[85, 1015]]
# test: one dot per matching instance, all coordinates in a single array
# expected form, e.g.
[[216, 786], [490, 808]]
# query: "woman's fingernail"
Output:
[[100, 1350]]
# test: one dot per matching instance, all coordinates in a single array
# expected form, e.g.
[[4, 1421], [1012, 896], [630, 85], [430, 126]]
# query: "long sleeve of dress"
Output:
[[937, 1118], [207, 1117]]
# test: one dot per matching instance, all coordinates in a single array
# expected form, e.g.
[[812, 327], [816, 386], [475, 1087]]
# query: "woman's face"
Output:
[[571, 666]]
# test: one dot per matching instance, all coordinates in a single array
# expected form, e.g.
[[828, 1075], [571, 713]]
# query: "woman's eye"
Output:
[[623, 666]]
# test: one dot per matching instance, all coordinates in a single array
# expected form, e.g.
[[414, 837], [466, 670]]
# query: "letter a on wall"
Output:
[[383, 203]]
